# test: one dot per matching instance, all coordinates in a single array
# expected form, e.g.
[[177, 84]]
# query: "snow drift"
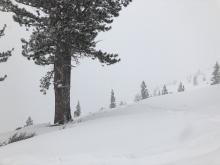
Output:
[[177, 129]]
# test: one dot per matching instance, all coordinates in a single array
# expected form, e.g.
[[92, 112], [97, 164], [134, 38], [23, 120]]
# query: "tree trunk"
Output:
[[62, 79]]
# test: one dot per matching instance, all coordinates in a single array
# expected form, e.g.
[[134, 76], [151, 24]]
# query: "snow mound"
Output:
[[175, 129]]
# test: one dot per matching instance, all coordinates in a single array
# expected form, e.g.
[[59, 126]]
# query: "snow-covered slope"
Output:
[[177, 129]]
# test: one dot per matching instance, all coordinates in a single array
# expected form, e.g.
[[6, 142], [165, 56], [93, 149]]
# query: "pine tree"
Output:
[[113, 100], [63, 32], [216, 75], [164, 91], [181, 87], [29, 121], [77, 113], [4, 55], [144, 91]]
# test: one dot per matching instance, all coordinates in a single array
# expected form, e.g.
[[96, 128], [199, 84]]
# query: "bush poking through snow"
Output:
[[18, 137]]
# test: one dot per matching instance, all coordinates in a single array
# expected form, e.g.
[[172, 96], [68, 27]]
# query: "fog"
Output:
[[157, 40]]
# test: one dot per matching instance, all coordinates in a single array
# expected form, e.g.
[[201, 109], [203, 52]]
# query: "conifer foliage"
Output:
[[113, 100], [4, 55], [77, 113], [144, 91], [216, 74], [164, 91], [64, 31]]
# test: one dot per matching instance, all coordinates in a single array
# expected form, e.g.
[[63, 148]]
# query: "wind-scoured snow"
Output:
[[176, 129]]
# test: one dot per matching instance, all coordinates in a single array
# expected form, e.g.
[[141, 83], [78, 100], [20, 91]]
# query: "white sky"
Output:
[[157, 40]]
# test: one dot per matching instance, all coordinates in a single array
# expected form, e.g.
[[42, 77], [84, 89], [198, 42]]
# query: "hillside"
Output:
[[177, 129]]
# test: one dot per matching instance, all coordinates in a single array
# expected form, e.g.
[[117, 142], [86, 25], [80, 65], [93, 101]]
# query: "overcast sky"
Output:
[[157, 40]]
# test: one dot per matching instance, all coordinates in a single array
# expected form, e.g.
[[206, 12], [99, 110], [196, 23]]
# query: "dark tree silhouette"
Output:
[[164, 91], [29, 121], [63, 32], [77, 112], [216, 75], [113, 100], [144, 91]]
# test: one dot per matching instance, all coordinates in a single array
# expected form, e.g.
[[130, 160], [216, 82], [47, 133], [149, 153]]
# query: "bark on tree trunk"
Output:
[[62, 79]]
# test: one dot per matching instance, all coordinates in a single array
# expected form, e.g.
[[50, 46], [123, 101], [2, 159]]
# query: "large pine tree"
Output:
[[4, 55], [63, 31], [216, 75]]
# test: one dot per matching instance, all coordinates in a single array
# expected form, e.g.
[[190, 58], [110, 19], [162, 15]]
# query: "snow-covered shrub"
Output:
[[18, 137]]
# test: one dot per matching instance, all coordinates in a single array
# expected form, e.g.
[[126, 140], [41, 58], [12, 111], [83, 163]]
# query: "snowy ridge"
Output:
[[175, 129]]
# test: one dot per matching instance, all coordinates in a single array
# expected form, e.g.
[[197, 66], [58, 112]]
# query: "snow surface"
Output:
[[177, 129]]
